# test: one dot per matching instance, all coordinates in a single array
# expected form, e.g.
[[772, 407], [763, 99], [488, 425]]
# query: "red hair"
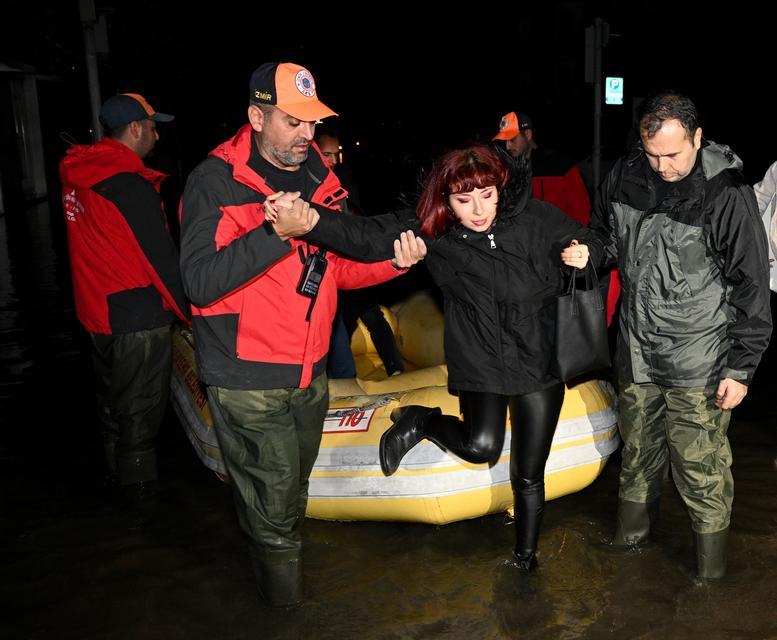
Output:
[[457, 172]]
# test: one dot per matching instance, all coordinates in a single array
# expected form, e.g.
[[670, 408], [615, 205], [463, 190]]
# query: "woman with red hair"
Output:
[[496, 254]]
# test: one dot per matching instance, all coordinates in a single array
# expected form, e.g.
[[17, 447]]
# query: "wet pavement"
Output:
[[78, 563]]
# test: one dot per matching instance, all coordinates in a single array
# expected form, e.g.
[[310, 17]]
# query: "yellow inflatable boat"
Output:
[[430, 485]]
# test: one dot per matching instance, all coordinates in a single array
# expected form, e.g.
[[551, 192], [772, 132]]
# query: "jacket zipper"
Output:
[[497, 318]]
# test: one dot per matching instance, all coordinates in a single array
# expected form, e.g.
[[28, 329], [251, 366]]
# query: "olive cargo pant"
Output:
[[684, 426], [132, 374], [269, 440]]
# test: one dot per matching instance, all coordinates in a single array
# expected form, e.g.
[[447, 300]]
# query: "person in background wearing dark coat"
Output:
[[355, 304]]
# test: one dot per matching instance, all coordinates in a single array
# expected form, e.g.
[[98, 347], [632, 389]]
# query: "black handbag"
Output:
[[581, 328]]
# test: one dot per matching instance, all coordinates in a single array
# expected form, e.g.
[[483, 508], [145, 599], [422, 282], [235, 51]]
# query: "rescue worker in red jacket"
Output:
[[263, 304], [555, 179], [126, 281]]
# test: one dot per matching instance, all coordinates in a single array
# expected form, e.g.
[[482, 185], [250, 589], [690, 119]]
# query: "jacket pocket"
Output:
[[691, 252], [271, 328]]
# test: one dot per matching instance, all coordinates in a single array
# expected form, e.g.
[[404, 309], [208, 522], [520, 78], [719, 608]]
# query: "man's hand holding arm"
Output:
[[289, 214]]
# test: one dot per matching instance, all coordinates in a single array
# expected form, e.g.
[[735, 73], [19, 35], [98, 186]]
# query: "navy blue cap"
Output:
[[124, 108]]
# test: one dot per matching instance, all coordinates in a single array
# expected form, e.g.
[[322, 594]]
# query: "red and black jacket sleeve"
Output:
[[213, 264]]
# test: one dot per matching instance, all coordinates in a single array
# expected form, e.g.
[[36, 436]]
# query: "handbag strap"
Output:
[[591, 284]]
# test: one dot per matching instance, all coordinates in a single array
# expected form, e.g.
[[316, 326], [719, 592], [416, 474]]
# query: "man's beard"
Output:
[[288, 157]]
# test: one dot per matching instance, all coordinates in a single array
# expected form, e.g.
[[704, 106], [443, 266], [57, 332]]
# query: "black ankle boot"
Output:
[[525, 560], [406, 432]]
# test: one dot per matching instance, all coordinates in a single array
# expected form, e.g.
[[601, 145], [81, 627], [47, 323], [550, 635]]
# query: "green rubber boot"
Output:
[[279, 577], [634, 522], [711, 554]]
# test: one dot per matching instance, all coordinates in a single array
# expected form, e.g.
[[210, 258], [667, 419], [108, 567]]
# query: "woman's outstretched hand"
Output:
[[408, 250]]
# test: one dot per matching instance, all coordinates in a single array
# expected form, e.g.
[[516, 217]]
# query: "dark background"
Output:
[[76, 564], [405, 88]]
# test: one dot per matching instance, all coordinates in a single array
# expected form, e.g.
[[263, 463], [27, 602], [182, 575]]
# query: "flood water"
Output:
[[76, 563]]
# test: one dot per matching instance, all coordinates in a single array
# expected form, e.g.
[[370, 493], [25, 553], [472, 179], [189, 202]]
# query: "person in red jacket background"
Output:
[[555, 179], [126, 282]]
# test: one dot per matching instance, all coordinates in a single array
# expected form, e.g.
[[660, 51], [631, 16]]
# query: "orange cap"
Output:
[[512, 124], [289, 87]]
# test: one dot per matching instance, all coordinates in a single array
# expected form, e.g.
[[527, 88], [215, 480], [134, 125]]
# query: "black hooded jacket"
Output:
[[499, 287]]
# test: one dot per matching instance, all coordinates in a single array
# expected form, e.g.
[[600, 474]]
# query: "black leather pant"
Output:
[[480, 437]]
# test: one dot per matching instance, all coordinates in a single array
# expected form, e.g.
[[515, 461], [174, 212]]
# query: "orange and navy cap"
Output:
[[128, 107], [289, 87], [512, 124]]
